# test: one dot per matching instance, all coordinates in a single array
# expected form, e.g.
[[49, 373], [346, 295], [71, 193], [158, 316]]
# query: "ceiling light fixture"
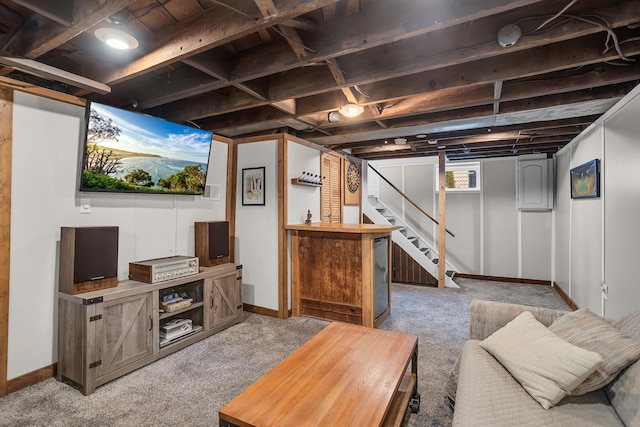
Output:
[[421, 135], [400, 141], [116, 38], [509, 35], [432, 141], [351, 110]]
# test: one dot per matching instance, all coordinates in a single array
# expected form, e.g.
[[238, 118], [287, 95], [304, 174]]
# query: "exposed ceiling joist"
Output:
[[48, 72], [432, 73], [40, 35]]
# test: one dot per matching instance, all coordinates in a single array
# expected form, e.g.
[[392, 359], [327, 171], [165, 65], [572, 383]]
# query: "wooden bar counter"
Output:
[[334, 271]]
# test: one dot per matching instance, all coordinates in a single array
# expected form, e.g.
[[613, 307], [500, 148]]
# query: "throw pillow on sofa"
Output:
[[591, 332], [546, 366]]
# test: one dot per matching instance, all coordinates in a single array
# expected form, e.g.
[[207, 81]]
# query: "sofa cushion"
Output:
[[624, 391], [547, 366], [630, 324], [488, 395], [592, 332]]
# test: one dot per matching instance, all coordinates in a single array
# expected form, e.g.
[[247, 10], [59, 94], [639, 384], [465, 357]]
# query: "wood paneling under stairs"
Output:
[[404, 268], [407, 270]]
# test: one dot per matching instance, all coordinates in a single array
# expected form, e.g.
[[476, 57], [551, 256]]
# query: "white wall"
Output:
[[500, 244], [420, 182], [351, 213], [463, 219], [46, 149], [300, 198], [622, 204], [492, 237], [586, 236], [257, 227], [562, 222], [535, 252], [603, 234]]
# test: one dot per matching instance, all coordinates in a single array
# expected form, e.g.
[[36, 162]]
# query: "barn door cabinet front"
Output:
[[224, 294], [100, 340]]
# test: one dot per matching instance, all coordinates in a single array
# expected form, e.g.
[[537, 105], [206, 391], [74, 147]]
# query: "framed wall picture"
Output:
[[351, 183], [253, 186], [585, 180]]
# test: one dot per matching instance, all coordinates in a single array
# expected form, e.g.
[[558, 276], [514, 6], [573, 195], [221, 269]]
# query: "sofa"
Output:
[[483, 392]]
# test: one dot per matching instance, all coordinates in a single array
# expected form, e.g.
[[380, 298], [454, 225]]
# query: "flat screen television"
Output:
[[125, 151]]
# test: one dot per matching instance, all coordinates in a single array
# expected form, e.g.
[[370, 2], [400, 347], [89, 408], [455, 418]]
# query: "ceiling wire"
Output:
[[588, 19], [541, 28], [361, 92], [219, 3], [555, 16], [317, 126], [136, 18], [296, 42], [632, 39], [165, 2]]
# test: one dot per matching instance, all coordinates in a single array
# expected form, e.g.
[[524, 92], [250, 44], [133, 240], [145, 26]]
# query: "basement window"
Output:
[[460, 177]]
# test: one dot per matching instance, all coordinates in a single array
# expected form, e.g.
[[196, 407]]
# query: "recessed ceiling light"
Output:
[[115, 38], [421, 135], [400, 141], [433, 141], [351, 110], [441, 147]]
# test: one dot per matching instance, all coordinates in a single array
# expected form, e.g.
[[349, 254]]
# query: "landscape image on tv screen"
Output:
[[132, 152]]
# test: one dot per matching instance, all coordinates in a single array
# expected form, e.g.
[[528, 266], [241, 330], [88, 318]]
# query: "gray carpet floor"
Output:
[[189, 386]]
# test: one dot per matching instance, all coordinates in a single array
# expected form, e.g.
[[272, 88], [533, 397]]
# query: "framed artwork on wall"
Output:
[[585, 180], [253, 186]]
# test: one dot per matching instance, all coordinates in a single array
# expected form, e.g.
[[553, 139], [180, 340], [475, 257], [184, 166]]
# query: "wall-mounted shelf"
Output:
[[296, 181]]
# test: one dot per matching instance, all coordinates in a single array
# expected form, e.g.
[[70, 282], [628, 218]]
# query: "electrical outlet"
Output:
[[605, 291], [85, 206]]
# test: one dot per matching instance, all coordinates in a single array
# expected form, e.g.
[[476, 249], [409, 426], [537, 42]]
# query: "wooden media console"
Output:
[[107, 333]]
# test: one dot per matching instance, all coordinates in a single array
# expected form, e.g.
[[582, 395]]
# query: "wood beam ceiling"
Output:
[[311, 87], [257, 66]]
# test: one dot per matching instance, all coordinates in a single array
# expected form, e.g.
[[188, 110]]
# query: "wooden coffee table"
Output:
[[347, 375]]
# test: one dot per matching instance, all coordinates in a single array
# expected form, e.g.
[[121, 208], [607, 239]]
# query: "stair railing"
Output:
[[407, 198]]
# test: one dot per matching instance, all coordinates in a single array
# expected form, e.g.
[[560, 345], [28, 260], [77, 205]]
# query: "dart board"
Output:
[[353, 178]]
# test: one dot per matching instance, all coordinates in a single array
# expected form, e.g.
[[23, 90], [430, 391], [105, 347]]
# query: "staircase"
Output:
[[410, 241]]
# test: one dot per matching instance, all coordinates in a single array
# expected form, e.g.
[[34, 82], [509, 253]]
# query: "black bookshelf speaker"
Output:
[[88, 259], [212, 242]]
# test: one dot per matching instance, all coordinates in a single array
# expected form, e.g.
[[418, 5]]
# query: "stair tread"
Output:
[[404, 230]]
